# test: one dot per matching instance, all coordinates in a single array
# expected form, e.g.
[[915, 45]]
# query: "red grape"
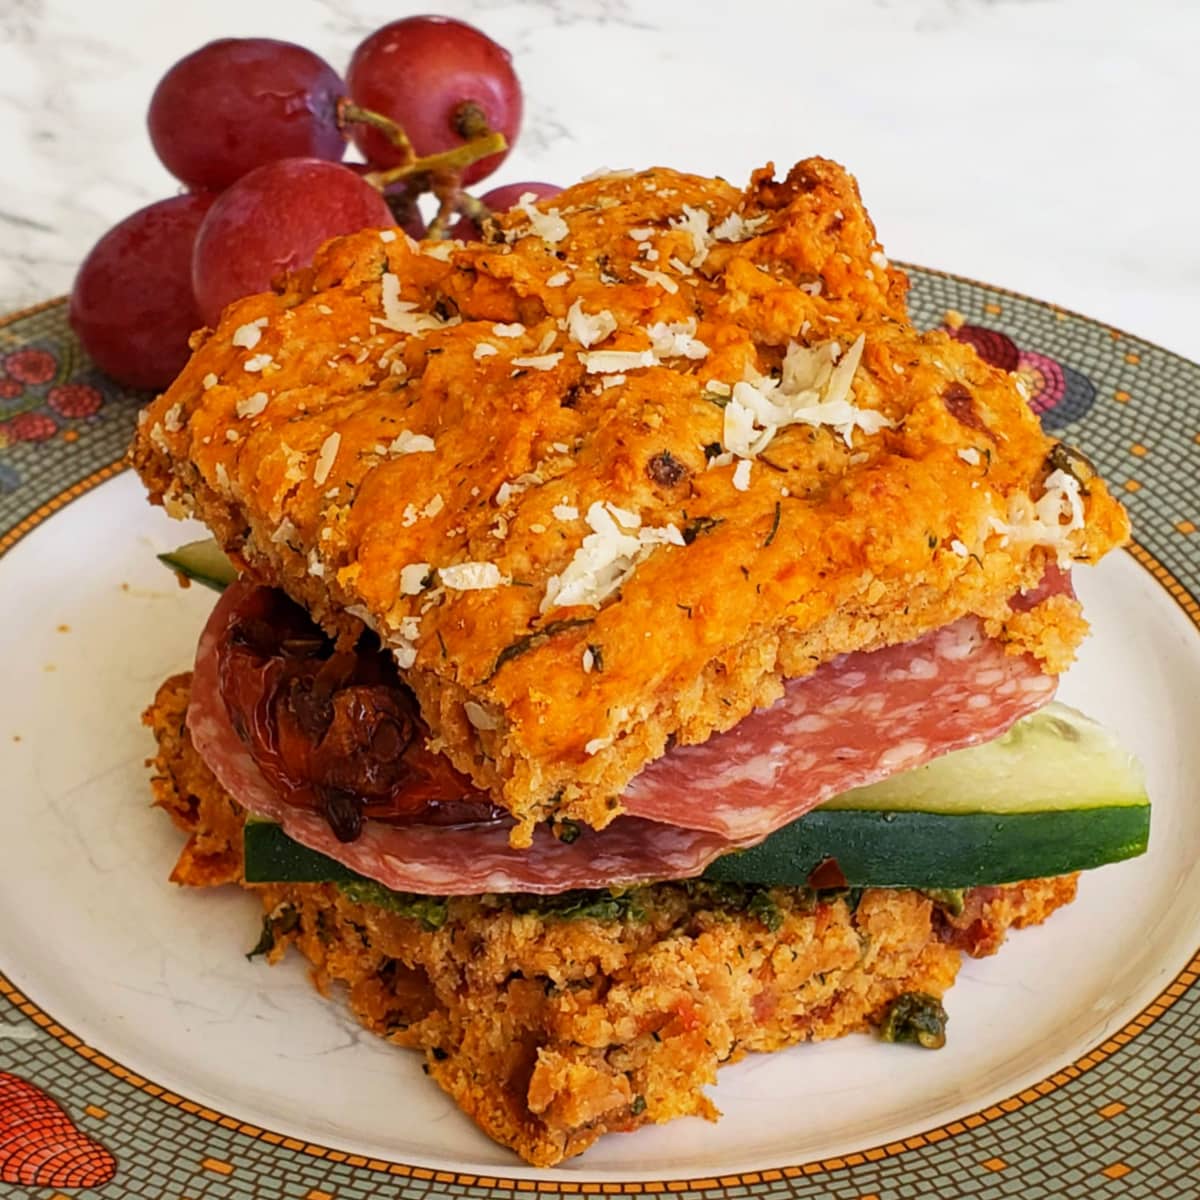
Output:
[[500, 200], [421, 71], [239, 102], [132, 305], [274, 220]]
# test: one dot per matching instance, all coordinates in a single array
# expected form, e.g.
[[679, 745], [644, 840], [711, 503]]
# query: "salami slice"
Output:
[[857, 719], [459, 860], [860, 718]]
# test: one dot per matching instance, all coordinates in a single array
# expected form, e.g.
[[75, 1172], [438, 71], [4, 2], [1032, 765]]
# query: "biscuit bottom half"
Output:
[[552, 1021]]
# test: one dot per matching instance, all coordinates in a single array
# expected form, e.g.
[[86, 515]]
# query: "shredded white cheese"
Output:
[[484, 350], [589, 328], [741, 475], [736, 228], [515, 330], [814, 390], [605, 362], [257, 362], [960, 549], [597, 744], [403, 642], [565, 512], [611, 381], [413, 577], [209, 381], [970, 456], [694, 222], [401, 316], [676, 339], [480, 717], [1047, 522], [173, 418], [656, 277], [559, 279], [471, 576], [252, 406], [539, 362], [387, 235], [325, 459], [549, 226], [249, 335], [606, 558], [407, 442], [589, 660]]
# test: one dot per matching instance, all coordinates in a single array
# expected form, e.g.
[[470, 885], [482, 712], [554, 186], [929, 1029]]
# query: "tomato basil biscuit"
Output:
[[603, 485]]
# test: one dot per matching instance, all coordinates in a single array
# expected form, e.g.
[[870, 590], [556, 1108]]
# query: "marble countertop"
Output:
[[1041, 145]]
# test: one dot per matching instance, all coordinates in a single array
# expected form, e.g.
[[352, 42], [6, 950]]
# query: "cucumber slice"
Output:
[[204, 562], [272, 857], [1056, 794]]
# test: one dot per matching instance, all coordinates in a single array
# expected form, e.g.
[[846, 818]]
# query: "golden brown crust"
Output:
[[831, 547], [551, 1031]]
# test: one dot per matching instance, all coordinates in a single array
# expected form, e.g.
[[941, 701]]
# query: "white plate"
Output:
[[155, 975]]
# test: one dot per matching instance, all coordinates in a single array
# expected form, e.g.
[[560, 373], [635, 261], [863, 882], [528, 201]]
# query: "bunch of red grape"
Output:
[[255, 129]]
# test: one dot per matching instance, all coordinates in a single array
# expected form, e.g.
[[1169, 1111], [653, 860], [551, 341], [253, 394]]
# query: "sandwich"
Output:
[[637, 643]]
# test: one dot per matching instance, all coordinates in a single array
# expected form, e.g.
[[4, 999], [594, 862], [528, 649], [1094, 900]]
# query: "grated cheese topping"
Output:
[[607, 557], [248, 336], [1049, 521], [209, 382], [656, 277], [814, 389], [403, 642], [970, 456], [484, 350], [402, 316], [736, 228], [676, 339], [605, 362], [694, 222], [387, 235], [741, 475], [471, 576], [539, 362], [481, 717], [549, 226], [407, 442], [257, 362], [515, 330], [589, 328], [559, 279], [413, 578], [325, 459], [252, 406]]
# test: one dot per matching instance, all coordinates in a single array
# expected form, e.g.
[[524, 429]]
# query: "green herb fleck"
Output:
[[774, 525], [567, 831], [697, 525], [276, 924], [532, 640], [766, 910], [431, 911], [638, 1106], [915, 1017]]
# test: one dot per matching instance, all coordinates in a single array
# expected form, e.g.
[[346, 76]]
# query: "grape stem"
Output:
[[349, 113], [453, 160]]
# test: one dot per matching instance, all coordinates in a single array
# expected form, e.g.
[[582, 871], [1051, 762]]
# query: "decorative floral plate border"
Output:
[[1124, 1119]]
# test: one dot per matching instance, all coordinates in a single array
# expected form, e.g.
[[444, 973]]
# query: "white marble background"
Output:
[[1045, 145]]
